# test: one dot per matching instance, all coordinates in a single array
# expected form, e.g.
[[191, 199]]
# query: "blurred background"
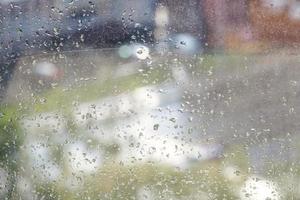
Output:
[[149, 99]]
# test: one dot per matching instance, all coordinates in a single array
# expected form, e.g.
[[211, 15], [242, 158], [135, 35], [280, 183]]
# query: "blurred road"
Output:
[[254, 99]]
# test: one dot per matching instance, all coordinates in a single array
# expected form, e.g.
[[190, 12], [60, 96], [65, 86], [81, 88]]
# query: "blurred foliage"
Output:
[[10, 141], [10, 137], [115, 181], [62, 98]]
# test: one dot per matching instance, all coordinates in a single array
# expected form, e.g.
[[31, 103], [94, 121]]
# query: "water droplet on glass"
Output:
[[173, 120], [142, 52], [155, 127]]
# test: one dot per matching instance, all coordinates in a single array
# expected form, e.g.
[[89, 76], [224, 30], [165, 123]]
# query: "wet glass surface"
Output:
[[149, 100]]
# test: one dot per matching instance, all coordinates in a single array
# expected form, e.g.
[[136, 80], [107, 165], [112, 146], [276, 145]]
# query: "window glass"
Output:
[[149, 99]]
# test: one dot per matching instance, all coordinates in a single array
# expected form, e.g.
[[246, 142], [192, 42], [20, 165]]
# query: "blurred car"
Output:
[[30, 27]]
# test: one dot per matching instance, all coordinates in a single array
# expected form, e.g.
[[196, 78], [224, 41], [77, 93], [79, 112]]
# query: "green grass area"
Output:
[[61, 98], [10, 136], [115, 181]]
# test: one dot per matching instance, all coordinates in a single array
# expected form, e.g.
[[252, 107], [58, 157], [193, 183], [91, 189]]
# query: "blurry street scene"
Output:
[[149, 99]]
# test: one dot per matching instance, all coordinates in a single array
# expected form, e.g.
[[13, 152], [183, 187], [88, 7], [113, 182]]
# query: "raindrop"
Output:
[[43, 100], [19, 30], [91, 4], [173, 120], [142, 52], [70, 1]]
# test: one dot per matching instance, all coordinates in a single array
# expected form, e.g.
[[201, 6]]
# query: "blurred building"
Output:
[[276, 21], [252, 24], [219, 24], [185, 18], [227, 23]]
